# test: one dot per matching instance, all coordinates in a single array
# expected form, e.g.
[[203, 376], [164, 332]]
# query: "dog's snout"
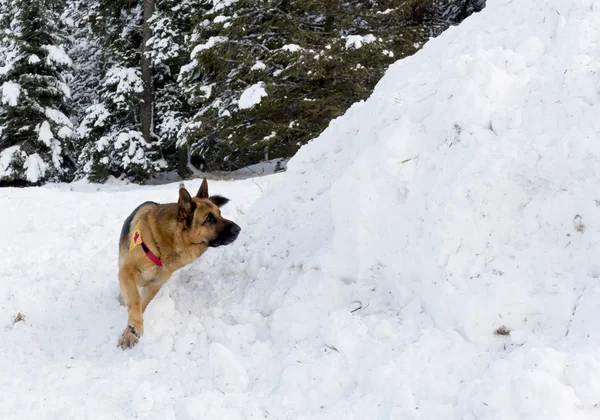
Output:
[[235, 229]]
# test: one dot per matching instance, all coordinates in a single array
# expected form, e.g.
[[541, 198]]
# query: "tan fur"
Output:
[[178, 234]]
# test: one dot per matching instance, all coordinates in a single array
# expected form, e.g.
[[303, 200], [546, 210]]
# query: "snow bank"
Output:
[[252, 96], [433, 255]]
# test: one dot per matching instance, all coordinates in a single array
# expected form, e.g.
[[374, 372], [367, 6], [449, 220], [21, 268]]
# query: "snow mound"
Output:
[[433, 254]]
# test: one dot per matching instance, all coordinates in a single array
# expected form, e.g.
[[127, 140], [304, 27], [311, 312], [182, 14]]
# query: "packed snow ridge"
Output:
[[432, 255]]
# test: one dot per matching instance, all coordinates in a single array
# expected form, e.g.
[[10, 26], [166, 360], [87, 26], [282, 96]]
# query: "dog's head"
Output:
[[201, 218]]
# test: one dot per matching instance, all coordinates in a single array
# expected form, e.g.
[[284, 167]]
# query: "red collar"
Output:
[[151, 255]]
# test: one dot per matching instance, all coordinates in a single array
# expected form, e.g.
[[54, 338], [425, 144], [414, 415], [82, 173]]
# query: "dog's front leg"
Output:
[[131, 295], [148, 293]]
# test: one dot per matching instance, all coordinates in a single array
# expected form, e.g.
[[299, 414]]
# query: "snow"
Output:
[[57, 55], [95, 116], [45, 133], [432, 255], [66, 90], [221, 4], [291, 48], [6, 158], [259, 65], [357, 41], [35, 168], [10, 93], [46, 136], [260, 169], [57, 117], [33, 59], [126, 79], [221, 19], [212, 41], [207, 90], [252, 96]]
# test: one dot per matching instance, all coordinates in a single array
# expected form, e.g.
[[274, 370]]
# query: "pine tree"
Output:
[[111, 128], [159, 84], [86, 75], [439, 15], [265, 77], [35, 130], [171, 24], [116, 138]]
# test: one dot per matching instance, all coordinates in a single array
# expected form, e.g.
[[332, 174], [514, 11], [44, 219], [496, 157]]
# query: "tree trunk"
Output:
[[147, 103], [332, 8], [182, 166]]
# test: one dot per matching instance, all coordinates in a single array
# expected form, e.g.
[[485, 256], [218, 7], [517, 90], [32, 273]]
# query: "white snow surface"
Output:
[[357, 41], [57, 55], [10, 93], [252, 96], [259, 65], [45, 133], [6, 159], [212, 41], [291, 48], [33, 59], [127, 80], [35, 168], [369, 278]]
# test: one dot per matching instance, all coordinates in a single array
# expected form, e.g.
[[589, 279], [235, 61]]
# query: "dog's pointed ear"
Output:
[[203, 191], [219, 200], [186, 207]]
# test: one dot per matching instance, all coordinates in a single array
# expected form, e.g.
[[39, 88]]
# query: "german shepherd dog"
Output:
[[158, 239]]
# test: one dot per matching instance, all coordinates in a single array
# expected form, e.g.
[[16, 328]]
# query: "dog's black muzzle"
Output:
[[229, 234]]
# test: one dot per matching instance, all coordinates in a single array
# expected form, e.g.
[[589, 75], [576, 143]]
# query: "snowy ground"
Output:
[[371, 279]]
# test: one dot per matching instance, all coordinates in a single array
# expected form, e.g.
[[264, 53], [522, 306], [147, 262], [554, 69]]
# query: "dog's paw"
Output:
[[130, 336]]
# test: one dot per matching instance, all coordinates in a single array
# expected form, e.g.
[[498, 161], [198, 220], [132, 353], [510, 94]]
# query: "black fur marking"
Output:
[[218, 200], [133, 331], [190, 215], [127, 224]]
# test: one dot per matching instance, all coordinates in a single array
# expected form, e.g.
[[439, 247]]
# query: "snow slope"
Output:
[[370, 279]]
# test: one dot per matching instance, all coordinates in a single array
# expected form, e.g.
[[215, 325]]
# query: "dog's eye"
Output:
[[210, 219]]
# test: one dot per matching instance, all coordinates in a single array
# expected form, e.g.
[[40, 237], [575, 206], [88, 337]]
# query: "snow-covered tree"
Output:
[[265, 77], [159, 84], [116, 138], [171, 24], [35, 130], [111, 128]]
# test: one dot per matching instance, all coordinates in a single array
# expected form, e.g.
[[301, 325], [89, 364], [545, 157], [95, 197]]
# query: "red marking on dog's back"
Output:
[[136, 237]]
